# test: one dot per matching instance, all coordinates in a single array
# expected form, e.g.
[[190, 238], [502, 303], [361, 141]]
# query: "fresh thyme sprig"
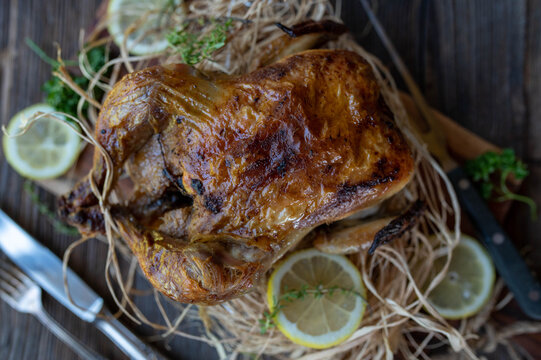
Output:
[[195, 47], [489, 165], [44, 210], [289, 296]]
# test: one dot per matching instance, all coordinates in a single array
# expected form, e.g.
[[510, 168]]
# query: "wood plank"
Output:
[[519, 225], [532, 77], [477, 61], [466, 56]]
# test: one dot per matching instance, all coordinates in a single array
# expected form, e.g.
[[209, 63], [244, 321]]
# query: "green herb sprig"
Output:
[[59, 95], [267, 321], [493, 166], [43, 56], [63, 98], [195, 47], [48, 213]]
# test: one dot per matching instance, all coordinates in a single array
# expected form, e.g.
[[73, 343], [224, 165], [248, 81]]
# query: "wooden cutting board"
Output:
[[464, 145]]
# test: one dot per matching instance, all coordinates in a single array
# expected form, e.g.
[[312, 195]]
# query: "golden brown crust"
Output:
[[264, 157]]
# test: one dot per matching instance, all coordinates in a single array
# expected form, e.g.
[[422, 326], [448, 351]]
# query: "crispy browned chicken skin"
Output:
[[231, 172]]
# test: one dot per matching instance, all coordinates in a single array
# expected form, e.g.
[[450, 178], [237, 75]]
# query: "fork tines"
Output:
[[11, 278]]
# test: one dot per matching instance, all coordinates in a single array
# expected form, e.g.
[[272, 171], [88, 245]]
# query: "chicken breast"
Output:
[[231, 172]]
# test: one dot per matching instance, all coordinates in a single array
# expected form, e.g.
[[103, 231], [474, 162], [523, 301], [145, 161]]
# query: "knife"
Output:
[[45, 268], [508, 262]]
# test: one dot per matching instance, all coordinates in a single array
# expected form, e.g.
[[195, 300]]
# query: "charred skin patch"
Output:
[[171, 199], [346, 190], [91, 219], [273, 152], [213, 203]]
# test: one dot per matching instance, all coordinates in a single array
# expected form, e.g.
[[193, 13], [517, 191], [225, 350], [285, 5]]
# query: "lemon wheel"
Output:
[[468, 284], [47, 150], [148, 20], [333, 304]]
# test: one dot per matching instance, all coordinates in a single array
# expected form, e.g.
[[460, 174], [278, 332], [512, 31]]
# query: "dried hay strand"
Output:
[[398, 276]]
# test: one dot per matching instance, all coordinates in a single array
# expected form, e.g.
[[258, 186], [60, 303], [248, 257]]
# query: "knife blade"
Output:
[[508, 262], [45, 268]]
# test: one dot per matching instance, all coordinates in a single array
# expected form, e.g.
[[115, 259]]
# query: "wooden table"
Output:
[[478, 62]]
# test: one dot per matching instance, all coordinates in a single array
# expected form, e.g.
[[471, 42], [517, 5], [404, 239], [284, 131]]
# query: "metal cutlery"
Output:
[[24, 295], [508, 261], [45, 268]]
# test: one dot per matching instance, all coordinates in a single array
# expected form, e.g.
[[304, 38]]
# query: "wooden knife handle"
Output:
[[508, 261]]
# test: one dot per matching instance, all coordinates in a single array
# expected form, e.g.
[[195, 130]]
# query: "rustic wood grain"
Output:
[[522, 229], [478, 62]]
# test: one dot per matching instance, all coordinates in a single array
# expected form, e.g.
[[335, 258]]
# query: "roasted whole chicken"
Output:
[[230, 172]]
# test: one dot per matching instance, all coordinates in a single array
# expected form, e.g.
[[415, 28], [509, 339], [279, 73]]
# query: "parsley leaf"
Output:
[[61, 97], [490, 170], [58, 94], [64, 99]]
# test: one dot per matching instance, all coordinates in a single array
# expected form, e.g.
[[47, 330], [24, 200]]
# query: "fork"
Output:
[[24, 295]]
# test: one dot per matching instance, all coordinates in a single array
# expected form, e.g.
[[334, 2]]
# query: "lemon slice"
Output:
[[148, 18], [47, 150], [317, 321], [467, 287]]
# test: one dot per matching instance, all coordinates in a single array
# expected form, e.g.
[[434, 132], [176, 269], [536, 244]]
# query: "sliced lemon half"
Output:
[[317, 321], [468, 284], [47, 150], [148, 20]]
